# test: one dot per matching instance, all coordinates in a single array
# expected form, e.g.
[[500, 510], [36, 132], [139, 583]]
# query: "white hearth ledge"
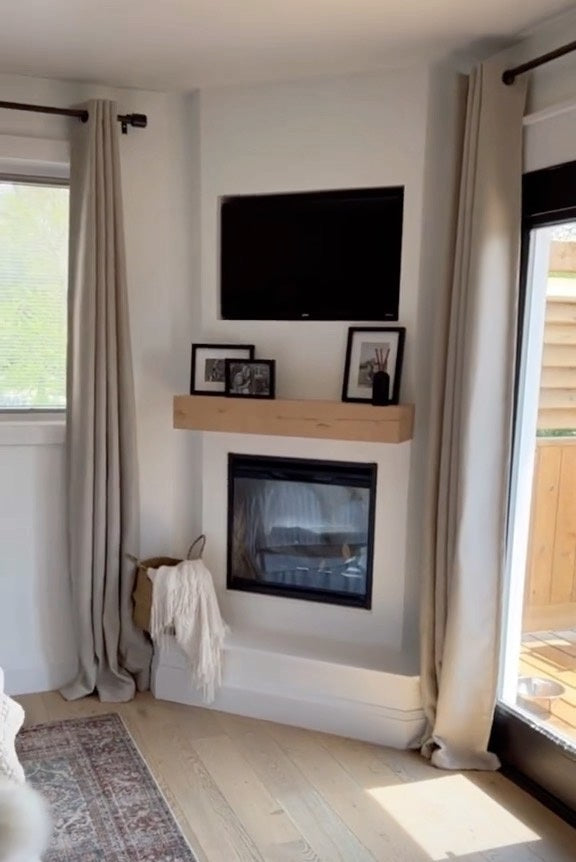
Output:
[[293, 684]]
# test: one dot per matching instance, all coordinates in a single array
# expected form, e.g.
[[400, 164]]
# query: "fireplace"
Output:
[[303, 529]]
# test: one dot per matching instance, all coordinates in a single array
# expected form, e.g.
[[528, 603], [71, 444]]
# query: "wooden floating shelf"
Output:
[[330, 420]]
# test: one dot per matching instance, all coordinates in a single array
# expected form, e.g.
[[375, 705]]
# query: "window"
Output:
[[535, 725], [33, 289]]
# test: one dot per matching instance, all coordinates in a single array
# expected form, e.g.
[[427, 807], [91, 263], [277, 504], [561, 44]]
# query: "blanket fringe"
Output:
[[184, 602]]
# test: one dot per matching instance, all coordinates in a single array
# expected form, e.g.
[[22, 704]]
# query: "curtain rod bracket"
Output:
[[137, 121]]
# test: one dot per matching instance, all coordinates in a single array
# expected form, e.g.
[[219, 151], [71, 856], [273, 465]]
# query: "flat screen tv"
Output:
[[312, 256]]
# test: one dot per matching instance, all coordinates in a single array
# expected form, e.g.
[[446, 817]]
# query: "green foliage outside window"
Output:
[[33, 286]]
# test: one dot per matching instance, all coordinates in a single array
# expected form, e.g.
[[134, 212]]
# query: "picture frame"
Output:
[[253, 378], [207, 370], [365, 347]]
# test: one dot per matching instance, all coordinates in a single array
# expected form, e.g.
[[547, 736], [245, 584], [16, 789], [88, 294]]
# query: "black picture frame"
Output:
[[220, 352], [248, 390], [393, 337]]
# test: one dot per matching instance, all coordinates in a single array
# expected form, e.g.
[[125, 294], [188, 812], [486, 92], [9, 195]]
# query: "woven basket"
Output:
[[142, 595]]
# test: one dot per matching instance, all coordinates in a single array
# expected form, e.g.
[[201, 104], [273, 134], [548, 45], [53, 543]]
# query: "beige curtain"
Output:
[[465, 545], [103, 504]]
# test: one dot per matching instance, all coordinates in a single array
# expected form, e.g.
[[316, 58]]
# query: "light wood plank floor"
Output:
[[251, 791]]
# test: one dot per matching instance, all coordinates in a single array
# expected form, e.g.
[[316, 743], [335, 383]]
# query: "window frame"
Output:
[[530, 756], [47, 414]]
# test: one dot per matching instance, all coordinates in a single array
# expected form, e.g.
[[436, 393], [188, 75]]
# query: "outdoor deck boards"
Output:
[[552, 655]]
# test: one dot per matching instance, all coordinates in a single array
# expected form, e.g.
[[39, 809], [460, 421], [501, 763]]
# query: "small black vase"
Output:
[[381, 388]]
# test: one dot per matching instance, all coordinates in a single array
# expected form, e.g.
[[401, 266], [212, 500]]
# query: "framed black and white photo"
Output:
[[372, 349], [250, 379], [207, 375]]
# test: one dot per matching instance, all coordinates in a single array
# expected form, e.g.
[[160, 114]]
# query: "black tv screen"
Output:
[[312, 255]]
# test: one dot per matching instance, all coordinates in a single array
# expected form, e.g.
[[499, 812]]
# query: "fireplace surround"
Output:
[[301, 528], [328, 667]]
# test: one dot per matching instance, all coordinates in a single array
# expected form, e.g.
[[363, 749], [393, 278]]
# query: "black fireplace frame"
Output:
[[275, 467]]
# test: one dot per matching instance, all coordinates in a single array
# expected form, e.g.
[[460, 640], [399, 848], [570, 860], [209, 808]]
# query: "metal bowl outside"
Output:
[[536, 687]]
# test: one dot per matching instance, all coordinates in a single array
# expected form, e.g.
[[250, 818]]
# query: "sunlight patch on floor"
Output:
[[451, 817]]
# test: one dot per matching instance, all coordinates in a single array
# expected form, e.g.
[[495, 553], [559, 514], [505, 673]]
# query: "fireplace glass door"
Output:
[[301, 528]]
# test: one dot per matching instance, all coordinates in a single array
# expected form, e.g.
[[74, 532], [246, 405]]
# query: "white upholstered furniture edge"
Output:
[[11, 718]]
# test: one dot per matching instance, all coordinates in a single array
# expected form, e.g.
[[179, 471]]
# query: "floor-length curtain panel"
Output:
[[466, 525], [102, 470]]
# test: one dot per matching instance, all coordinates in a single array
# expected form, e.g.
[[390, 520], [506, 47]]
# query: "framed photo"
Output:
[[207, 376], [253, 378], [369, 350]]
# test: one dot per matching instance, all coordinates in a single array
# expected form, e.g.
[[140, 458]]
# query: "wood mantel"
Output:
[[330, 420]]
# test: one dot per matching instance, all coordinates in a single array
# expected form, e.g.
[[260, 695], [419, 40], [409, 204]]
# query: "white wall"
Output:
[[330, 133], [37, 647], [159, 182], [551, 140], [393, 128]]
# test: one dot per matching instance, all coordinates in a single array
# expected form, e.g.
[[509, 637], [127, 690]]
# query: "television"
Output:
[[330, 255]]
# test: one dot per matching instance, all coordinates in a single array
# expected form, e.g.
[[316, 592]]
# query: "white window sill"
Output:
[[34, 429]]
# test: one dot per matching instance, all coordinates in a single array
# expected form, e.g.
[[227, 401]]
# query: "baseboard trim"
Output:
[[46, 677]]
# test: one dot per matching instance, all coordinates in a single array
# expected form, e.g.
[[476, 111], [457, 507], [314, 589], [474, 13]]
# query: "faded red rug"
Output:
[[105, 803]]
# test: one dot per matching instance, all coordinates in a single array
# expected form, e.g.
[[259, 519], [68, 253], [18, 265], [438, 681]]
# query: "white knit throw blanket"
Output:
[[184, 603]]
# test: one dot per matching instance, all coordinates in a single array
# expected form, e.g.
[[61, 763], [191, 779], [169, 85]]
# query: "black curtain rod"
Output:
[[510, 75], [137, 121]]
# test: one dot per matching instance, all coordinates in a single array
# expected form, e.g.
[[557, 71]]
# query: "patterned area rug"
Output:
[[105, 803]]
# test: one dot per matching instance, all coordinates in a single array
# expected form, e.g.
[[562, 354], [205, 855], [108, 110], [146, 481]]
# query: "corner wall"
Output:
[[363, 130], [160, 184], [393, 128], [337, 669]]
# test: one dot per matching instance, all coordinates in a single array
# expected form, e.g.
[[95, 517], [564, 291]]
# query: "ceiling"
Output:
[[183, 44]]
